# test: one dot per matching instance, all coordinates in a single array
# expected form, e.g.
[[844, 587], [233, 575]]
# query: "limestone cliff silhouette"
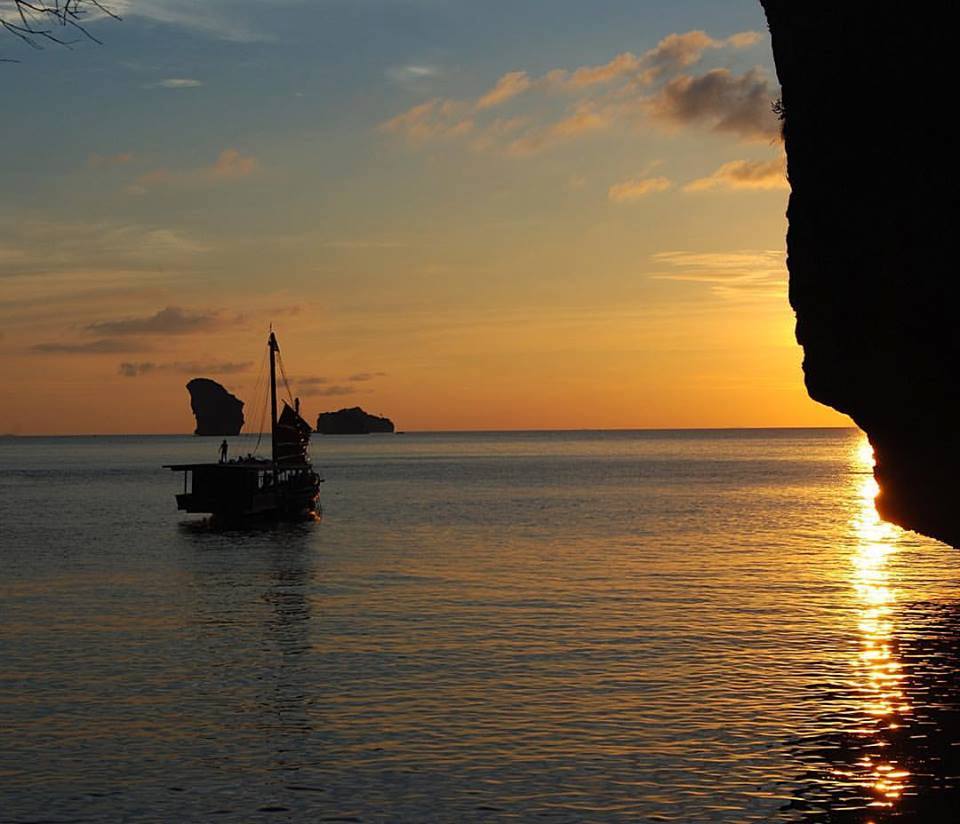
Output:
[[216, 410], [872, 248], [353, 421]]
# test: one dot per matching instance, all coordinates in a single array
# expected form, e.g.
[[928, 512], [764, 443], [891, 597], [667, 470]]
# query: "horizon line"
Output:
[[13, 435]]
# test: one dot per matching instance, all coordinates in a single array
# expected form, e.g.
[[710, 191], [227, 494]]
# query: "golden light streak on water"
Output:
[[879, 671]]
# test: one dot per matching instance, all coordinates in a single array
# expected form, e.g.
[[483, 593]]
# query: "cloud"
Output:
[[288, 310], [627, 90], [169, 321], [586, 118], [740, 274], [361, 377], [678, 51], [412, 71], [719, 101], [94, 347], [218, 19], [220, 368], [507, 87], [96, 161], [437, 118], [320, 386], [335, 390], [231, 164], [632, 190], [622, 64], [743, 39], [743, 174], [176, 83], [413, 77], [43, 247], [133, 370], [672, 53]]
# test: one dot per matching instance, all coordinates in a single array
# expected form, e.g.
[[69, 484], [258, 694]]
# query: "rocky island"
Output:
[[217, 412], [353, 421], [872, 249]]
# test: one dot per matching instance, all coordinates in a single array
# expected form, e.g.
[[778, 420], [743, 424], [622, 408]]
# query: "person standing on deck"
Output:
[[223, 451]]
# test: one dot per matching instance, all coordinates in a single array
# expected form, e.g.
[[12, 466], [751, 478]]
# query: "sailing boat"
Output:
[[283, 487]]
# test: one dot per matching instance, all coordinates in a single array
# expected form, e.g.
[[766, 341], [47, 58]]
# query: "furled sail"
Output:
[[291, 437]]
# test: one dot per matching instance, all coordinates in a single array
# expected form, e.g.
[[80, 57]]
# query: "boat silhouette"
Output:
[[284, 486]]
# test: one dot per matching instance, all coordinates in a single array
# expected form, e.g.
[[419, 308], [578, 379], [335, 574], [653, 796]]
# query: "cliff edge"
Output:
[[871, 245], [217, 411]]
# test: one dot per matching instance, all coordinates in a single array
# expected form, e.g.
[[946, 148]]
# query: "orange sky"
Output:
[[555, 232]]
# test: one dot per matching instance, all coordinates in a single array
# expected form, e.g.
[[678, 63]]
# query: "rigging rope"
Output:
[[258, 387], [263, 405], [283, 374]]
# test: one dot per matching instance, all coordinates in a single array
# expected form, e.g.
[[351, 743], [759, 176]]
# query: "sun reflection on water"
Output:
[[880, 673]]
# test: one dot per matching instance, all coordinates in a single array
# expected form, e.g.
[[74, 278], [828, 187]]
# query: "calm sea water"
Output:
[[645, 626]]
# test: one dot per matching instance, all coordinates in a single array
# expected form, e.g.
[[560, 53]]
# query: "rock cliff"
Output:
[[353, 421], [216, 410], [872, 235]]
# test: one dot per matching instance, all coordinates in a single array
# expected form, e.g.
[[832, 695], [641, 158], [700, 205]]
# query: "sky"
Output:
[[535, 214]]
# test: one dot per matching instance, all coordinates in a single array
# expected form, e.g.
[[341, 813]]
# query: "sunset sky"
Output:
[[463, 215]]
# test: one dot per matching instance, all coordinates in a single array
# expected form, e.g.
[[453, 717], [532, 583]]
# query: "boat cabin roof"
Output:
[[254, 465]]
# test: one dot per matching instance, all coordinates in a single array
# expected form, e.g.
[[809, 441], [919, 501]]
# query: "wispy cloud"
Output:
[[363, 377], [233, 164], [94, 347], [322, 386], [176, 83], [362, 244], [507, 87], [654, 88], [431, 120], [97, 161], [44, 247], [413, 77], [632, 190], [171, 320], [217, 19], [743, 174], [585, 118], [230, 165], [742, 275], [133, 370], [335, 390]]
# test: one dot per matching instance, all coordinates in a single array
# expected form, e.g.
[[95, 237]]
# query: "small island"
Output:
[[217, 411], [353, 421]]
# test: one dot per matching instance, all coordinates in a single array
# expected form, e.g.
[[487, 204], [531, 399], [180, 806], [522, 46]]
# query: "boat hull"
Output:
[[237, 491]]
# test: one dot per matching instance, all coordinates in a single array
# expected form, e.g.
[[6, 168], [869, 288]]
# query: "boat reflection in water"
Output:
[[891, 751]]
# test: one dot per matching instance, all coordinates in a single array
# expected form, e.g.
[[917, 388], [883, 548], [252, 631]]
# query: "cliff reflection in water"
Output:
[[884, 758]]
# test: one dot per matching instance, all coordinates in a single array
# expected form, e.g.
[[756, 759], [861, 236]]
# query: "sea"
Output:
[[662, 626]]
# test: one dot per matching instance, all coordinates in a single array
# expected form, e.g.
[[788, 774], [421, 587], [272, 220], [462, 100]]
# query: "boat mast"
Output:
[[274, 348]]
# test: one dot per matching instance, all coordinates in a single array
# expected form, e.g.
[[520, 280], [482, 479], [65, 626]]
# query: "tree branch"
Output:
[[61, 22]]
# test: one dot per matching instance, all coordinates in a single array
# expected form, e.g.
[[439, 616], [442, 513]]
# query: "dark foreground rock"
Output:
[[216, 410], [353, 421], [872, 242]]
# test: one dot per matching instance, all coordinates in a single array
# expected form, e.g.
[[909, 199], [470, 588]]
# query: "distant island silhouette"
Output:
[[352, 421], [871, 245], [217, 412]]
